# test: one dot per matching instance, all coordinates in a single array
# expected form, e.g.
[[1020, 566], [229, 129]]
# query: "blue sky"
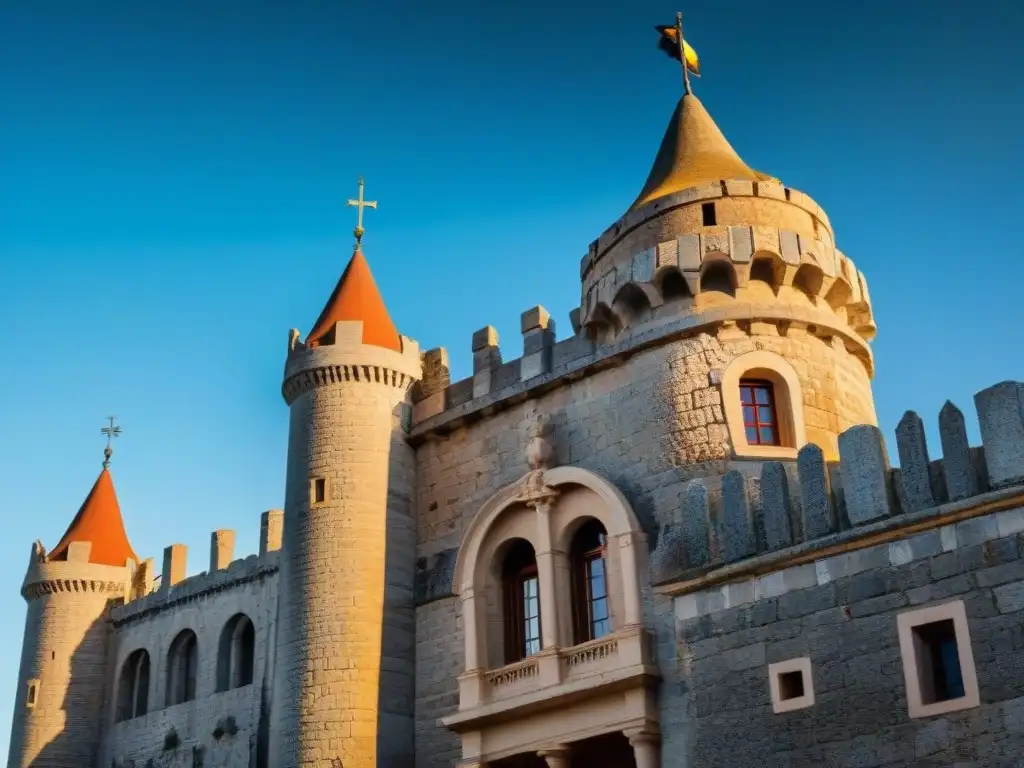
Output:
[[174, 178]]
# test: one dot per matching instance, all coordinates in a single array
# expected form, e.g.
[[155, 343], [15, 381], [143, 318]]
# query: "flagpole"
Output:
[[682, 53]]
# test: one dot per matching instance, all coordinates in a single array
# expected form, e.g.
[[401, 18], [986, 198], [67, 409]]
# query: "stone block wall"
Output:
[[219, 729], [813, 561]]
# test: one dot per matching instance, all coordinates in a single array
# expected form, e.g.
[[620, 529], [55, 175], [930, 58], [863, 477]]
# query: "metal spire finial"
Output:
[[111, 431], [359, 204]]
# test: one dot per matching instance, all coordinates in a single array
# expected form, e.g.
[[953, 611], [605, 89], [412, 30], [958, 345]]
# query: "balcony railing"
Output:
[[613, 660]]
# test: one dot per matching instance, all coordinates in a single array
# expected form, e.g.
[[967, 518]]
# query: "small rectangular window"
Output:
[[790, 685], [938, 662], [708, 212], [938, 666], [318, 490], [32, 693]]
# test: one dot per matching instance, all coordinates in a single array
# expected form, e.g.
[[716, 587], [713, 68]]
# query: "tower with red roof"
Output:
[[62, 682], [347, 386]]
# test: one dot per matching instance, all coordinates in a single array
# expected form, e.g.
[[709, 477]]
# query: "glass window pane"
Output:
[[765, 415], [597, 567], [601, 628], [762, 396], [533, 628], [752, 435], [599, 608], [746, 396], [767, 435], [530, 587], [748, 414], [597, 588], [532, 647]]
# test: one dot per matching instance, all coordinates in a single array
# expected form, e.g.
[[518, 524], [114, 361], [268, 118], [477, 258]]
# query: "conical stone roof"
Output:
[[693, 152]]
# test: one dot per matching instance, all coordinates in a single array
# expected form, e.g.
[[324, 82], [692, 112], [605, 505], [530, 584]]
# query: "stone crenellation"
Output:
[[442, 405], [225, 572], [790, 503]]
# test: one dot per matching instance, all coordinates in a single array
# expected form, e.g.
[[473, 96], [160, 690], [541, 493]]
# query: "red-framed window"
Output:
[[760, 419], [521, 603], [591, 614]]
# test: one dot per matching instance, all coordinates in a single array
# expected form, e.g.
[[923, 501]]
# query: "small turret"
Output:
[[59, 704], [349, 470]]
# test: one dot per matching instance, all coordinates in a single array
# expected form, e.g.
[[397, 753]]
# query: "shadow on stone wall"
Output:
[[82, 707]]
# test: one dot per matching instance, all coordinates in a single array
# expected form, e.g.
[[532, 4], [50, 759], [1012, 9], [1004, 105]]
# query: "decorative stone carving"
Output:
[[539, 450]]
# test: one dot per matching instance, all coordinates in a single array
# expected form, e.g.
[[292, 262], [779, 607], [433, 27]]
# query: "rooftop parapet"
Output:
[[440, 405], [225, 572], [799, 503]]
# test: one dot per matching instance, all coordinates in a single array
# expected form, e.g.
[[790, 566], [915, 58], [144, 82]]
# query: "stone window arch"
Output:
[[763, 405], [182, 668], [236, 653], [549, 525], [133, 686]]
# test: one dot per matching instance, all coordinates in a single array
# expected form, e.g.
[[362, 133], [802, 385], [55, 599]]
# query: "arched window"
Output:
[[182, 666], [591, 614], [133, 686], [763, 405], [760, 419], [236, 654], [521, 602]]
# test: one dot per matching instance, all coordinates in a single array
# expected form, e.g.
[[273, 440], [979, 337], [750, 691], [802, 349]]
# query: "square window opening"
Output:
[[938, 662], [708, 214], [791, 685]]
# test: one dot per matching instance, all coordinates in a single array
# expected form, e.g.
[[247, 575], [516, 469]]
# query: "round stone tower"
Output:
[[347, 387], [743, 272], [59, 704]]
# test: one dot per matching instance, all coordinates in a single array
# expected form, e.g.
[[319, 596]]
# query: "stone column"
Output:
[[646, 748], [546, 574], [630, 579], [555, 757], [469, 624]]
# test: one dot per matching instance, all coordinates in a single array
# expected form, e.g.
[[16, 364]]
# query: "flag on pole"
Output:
[[669, 43]]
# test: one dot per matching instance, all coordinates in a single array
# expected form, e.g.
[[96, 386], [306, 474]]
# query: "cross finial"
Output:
[[359, 204], [112, 430]]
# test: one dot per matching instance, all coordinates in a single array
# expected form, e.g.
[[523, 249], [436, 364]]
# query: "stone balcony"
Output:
[[556, 678]]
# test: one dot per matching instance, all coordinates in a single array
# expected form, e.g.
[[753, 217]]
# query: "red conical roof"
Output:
[[356, 298], [99, 521]]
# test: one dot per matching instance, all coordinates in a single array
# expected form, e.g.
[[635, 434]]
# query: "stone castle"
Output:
[[671, 538]]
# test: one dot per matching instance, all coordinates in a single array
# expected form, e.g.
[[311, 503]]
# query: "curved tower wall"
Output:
[[348, 404], [64, 659]]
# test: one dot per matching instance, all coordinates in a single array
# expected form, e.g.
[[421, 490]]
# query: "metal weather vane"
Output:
[[360, 204], [112, 430]]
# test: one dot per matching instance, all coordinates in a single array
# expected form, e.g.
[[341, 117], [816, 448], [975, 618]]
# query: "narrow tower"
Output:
[[347, 387], [58, 707]]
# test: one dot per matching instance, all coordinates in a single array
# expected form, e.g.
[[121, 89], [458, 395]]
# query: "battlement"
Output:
[[773, 191], [225, 572], [747, 521], [616, 290], [347, 358], [440, 405]]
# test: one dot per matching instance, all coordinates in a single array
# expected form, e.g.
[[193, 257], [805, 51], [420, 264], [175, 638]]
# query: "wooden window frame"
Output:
[[582, 598], [515, 613], [752, 385]]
